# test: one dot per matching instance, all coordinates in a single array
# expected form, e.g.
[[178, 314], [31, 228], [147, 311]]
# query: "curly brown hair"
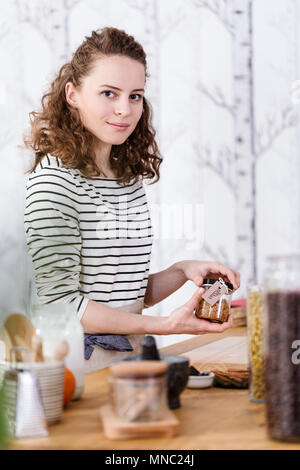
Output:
[[57, 129]]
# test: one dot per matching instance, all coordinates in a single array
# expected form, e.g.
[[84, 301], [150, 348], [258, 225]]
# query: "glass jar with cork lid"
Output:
[[215, 303], [139, 390]]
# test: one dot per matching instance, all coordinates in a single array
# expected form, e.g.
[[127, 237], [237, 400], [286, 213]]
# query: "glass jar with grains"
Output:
[[215, 303], [281, 346], [255, 342]]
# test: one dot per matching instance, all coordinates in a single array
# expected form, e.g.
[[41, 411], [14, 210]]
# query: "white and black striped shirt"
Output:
[[88, 238]]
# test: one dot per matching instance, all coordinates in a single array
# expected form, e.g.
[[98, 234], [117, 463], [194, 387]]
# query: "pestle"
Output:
[[149, 349]]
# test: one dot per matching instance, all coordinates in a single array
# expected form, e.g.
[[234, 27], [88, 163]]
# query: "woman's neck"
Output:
[[102, 154]]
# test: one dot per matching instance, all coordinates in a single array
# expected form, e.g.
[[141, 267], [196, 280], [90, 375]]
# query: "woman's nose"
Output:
[[123, 107]]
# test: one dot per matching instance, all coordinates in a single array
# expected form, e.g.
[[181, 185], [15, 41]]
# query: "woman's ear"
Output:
[[70, 93]]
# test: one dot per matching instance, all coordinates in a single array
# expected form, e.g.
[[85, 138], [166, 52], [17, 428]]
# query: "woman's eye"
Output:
[[107, 91], [135, 97], [139, 97]]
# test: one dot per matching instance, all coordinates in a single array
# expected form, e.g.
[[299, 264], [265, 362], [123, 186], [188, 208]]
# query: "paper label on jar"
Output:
[[214, 293]]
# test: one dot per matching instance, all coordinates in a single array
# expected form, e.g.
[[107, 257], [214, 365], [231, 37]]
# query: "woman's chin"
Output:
[[117, 141], [111, 140]]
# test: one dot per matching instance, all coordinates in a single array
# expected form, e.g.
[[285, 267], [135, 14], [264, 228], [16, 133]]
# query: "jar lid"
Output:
[[212, 281], [139, 368]]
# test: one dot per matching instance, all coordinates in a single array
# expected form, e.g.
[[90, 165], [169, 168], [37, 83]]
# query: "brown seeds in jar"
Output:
[[218, 313], [282, 375]]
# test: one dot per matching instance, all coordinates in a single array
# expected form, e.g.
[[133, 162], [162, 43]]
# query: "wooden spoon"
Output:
[[37, 349], [17, 330]]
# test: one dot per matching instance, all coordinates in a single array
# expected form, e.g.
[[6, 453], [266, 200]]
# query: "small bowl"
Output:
[[201, 381]]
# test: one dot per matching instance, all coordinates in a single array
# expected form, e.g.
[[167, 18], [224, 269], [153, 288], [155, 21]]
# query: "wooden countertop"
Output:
[[213, 418]]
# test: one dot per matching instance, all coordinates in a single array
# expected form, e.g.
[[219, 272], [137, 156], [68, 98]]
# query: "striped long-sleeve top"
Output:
[[88, 238]]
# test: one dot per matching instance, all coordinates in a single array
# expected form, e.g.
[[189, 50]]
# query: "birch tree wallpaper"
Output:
[[224, 86]]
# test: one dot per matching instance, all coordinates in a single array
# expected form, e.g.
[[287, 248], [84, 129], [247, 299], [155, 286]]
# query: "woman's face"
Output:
[[111, 94]]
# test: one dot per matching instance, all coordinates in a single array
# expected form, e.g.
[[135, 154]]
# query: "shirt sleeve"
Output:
[[54, 242]]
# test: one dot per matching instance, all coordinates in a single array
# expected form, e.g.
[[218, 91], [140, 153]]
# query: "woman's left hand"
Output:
[[196, 271]]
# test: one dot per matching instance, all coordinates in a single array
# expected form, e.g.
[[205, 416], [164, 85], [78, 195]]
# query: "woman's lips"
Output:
[[121, 127]]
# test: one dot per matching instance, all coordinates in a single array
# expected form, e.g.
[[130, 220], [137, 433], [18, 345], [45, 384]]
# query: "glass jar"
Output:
[[55, 323], [138, 390], [281, 341], [255, 343], [74, 361], [220, 310]]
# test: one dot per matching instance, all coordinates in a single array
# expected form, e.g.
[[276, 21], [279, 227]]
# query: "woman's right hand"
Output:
[[184, 321]]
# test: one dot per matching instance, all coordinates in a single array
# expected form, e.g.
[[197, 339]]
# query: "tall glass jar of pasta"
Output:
[[282, 346], [255, 343]]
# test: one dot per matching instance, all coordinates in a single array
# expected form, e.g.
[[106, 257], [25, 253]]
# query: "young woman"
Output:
[[87, 221]]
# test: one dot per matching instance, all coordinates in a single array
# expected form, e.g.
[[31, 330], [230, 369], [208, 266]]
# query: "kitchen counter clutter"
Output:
[[209, 418]]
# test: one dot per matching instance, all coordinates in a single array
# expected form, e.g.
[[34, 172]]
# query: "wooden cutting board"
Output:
[[227, 353], [116, 428]]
